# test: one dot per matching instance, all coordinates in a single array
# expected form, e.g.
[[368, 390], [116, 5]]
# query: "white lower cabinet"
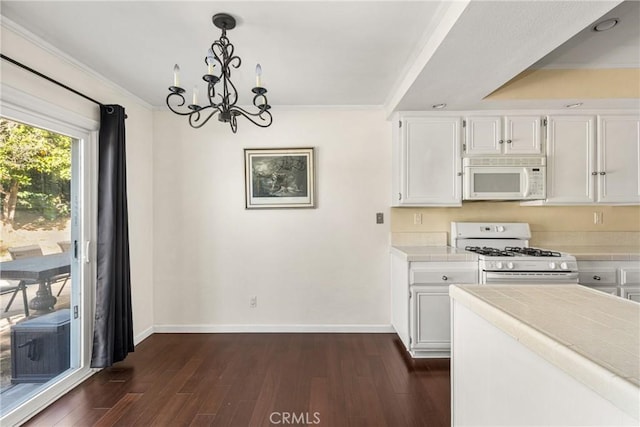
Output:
[[430, 319], [421, 306], [599, 275], [620, 278], [630, 283]]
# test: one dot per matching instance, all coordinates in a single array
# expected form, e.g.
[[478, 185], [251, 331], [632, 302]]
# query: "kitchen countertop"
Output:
[[433, 253], [592, 336], [582, 253]]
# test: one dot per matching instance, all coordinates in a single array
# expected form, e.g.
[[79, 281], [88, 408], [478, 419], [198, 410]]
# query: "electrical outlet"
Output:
[[598, 218], [417, 218], [379, 218], [253, 302]]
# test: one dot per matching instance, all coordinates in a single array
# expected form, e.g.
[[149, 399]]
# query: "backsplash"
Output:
[[552, 239], [550, 225]]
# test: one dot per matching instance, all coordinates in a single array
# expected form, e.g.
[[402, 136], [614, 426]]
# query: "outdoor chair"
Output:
[[65, 246], [13, 287], [25, 251], [20, 286]]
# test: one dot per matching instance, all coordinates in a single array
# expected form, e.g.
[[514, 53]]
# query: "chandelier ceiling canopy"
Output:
[[222, 96]]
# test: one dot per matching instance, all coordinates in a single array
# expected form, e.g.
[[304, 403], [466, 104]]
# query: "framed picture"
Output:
[[279, 178]]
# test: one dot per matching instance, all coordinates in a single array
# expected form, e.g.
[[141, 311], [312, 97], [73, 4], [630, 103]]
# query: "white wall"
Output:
[[33, 52], [311, 269]]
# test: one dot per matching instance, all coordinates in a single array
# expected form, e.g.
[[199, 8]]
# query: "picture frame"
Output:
[[279, 178]]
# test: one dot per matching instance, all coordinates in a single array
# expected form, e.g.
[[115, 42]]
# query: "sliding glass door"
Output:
[[46, 265]]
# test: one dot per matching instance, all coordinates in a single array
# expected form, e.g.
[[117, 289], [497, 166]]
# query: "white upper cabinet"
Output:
[[426, 161], [498, 135], [571, 145], [585, 165], [618, 159]]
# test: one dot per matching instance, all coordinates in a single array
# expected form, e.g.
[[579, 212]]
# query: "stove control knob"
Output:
[[499, 265], [552, 265], [500, 228], [564, 266], [510, 265]]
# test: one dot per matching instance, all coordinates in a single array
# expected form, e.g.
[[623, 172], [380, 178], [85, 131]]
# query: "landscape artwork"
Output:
[[279, 178]]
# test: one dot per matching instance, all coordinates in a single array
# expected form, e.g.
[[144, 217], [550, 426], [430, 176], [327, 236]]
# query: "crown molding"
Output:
[[22, 32]]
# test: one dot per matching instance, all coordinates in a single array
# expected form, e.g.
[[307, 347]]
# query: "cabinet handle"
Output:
[[399, 196], [594, 173], [501, 142], [603, 173], [445, 278], [508, 141], [596, 277], [459, 173]]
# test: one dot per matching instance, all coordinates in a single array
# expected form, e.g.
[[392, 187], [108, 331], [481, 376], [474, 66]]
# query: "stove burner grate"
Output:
[[532, 252], [488, 251], [512, 251]]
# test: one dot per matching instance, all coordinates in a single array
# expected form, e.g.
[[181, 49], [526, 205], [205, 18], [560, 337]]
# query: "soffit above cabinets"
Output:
[[405, 55]]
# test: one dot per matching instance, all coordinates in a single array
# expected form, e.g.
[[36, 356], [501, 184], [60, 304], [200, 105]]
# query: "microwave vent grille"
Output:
[[504, 161]]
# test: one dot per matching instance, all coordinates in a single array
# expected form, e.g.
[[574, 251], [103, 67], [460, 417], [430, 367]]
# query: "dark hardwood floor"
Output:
[[261, 379]]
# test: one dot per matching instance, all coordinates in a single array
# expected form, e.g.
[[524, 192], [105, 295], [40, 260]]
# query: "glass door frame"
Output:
[[22, 107]]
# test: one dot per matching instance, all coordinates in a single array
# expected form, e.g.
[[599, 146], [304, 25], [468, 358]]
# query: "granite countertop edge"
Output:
[[432, 253], [616, 389]]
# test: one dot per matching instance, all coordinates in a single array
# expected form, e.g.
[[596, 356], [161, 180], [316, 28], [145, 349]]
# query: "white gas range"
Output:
[[504, 255]]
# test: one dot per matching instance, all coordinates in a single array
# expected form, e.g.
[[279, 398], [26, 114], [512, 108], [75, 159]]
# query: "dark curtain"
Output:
[[113, 329]]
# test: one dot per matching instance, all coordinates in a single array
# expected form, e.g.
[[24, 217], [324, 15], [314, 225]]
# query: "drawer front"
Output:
[[597, 277], [630, 276], [443, 276]]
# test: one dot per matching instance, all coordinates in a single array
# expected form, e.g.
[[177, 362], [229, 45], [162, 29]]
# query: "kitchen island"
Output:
[[544, 355]]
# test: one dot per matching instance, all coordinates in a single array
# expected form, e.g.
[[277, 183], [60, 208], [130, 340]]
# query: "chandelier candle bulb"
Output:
[[176, 75], [195, 95], [210, 61], [258, 75]]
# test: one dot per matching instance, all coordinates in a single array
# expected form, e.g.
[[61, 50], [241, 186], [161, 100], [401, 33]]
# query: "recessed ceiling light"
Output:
[[438, 106], [574, 105], [605, 25]]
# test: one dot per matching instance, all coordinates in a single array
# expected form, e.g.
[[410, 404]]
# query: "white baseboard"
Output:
[[143, 335], [369, 329]]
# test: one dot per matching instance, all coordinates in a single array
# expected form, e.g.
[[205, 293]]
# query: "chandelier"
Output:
[[222, 94]]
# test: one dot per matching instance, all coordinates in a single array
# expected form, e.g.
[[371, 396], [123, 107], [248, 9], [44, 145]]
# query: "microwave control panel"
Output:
[[537, 183]]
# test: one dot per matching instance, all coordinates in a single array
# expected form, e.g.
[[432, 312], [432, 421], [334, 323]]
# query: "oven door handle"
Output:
[[530, 278]]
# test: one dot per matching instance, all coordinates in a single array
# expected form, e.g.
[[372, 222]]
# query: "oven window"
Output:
[[496, 182]]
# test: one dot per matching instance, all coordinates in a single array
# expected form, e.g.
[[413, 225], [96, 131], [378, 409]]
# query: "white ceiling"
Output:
[[405, 55]]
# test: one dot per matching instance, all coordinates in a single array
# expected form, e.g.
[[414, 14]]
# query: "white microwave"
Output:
[[504, 178]]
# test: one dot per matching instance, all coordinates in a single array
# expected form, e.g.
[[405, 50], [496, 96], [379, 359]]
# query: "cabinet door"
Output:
[[430, 163], [630, 276], [431, 323], [570, 159], [632, 294], [618, 163], [522, 135], [483, 135]]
